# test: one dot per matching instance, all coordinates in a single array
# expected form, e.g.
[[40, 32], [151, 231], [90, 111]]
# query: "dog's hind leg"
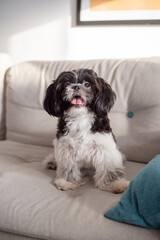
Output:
[[109, 170], [50, 162], [110, 181]]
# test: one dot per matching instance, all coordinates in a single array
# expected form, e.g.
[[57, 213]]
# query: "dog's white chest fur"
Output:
[[83, 146], [75, 144]]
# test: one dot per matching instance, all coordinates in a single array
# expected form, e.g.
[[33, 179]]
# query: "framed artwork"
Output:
[[95, 12]]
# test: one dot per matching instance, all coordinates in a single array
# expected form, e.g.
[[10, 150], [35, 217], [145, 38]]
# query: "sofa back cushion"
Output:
[[5, 63], [135, 117]]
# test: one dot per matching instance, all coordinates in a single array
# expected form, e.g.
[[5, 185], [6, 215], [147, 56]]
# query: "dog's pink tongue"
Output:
[[77, 101]]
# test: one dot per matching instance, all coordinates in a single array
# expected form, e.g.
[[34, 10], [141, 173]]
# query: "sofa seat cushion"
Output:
[[30, 205]]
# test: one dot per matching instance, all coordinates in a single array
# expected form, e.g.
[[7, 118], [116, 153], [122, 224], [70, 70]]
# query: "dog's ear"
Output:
[[52, 102], [105, 98]]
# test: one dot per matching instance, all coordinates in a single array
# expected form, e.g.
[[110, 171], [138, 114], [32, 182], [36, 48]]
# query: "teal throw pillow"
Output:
[[140, 203]]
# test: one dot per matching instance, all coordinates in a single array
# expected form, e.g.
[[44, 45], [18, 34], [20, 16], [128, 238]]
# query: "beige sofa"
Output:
[[30, 206]]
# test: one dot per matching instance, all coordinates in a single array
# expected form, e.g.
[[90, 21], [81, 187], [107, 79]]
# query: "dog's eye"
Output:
[[87, 84], [66, 84]]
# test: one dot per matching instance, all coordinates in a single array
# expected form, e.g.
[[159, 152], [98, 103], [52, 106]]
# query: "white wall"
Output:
[[42, 30]]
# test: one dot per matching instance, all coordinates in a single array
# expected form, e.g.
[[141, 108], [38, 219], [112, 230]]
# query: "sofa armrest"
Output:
[[5, 63]]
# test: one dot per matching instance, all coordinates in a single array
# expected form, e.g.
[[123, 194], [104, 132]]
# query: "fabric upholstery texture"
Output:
[[13, 236], [33, 206], [135, 81], [139, 204]]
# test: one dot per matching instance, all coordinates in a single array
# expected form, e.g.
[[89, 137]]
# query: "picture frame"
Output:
[[87, 16]]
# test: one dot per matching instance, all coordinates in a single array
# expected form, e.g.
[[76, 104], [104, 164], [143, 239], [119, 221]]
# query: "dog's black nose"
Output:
[[76, 88]]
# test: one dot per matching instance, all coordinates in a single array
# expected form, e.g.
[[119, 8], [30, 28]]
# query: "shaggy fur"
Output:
[[81, 100]]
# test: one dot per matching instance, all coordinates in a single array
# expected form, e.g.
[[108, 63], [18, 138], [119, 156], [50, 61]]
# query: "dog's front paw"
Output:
[[118, 186], [64, 185]]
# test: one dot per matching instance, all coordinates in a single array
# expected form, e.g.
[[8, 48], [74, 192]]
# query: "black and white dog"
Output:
[[81, 100]]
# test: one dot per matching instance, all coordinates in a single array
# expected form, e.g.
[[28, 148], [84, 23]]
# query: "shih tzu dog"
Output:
[[81, 100]]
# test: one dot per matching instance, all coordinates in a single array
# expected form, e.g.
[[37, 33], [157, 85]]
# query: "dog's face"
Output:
[[79, 89]]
